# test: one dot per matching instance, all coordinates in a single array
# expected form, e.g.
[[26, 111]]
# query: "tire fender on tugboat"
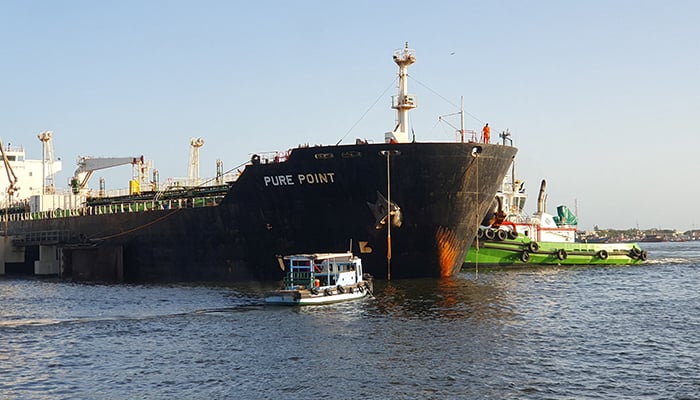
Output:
[[603, 254], [524, 256], [501, 235], [561, 254], [533, 247]]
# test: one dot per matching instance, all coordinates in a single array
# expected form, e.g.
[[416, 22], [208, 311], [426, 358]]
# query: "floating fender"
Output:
[[525, 256], [340, 289], [512, 235], [490, 234], [501, 235], [643, 255], [350, 290], [360, 289], [635, 252], [327, 292], [533, 247], [603, 254], [314, 290], [480, 234], [561, 254]]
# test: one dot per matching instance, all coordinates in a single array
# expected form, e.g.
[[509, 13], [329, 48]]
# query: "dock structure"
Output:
[[63, 253]]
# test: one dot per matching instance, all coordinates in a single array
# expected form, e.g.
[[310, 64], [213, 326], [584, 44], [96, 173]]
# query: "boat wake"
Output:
[[42, 322]]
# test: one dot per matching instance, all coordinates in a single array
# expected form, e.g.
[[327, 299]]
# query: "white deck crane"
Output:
[[13, 182], [12, 178], [87, 165]]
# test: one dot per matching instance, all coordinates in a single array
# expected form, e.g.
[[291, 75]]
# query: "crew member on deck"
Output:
[[486, 134]]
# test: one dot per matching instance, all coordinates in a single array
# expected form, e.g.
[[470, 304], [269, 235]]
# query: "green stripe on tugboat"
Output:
[[504, 249]]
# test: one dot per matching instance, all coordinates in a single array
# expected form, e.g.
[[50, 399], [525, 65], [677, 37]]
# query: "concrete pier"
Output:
[[48, 262]]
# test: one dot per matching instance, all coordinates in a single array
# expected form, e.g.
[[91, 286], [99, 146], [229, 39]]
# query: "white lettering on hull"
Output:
[[316, 178], [320, 177], [279, 180]]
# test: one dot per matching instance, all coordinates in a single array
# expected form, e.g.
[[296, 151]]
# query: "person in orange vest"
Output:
[[486, 133]]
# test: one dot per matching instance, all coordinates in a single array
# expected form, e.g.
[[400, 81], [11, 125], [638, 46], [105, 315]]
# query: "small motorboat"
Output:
[[321, 278]]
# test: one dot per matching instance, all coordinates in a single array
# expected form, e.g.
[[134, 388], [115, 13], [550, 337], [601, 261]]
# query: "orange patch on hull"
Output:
[[448, 250]]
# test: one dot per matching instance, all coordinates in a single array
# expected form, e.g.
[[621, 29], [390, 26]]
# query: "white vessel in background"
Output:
[[27, 178]]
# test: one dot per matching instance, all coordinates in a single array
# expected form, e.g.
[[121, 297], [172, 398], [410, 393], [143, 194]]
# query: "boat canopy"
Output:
[[565, 216]]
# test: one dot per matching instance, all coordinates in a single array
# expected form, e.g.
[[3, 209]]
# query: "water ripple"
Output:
[[554, 332]]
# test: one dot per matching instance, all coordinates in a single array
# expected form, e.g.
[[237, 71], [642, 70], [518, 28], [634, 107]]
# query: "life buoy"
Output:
[[533, 247], [501, 235], [490, 234], [340, 289], [561, 254], [525, 257], [603, 254]]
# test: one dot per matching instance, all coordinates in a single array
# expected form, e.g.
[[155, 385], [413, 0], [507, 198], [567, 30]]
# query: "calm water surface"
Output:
[[547, 333]]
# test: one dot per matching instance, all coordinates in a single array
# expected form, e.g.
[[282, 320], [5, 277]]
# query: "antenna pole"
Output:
[[388, 216], [461, 115]]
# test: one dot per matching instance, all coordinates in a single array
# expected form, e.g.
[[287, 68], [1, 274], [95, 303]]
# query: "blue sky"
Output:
[[602, 97]]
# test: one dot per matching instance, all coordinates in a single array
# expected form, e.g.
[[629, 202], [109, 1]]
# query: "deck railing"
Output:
[[118, 208]]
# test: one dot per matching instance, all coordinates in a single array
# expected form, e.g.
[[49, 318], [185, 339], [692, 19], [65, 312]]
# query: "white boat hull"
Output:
[[303, 297]]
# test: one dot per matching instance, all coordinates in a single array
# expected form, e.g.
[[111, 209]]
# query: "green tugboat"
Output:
[[523, 250], [510, 237]]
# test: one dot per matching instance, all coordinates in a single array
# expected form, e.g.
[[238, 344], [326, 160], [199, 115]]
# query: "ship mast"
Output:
[[193, 172], [47, 163], [403, 102]]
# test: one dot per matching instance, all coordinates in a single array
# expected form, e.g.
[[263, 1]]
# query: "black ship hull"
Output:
[[321, 199]]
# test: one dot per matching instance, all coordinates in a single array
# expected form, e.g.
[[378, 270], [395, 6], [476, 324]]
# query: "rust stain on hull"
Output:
[[448, 250]]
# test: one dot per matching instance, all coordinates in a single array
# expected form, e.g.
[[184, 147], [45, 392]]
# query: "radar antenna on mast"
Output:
[[403, 102]]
